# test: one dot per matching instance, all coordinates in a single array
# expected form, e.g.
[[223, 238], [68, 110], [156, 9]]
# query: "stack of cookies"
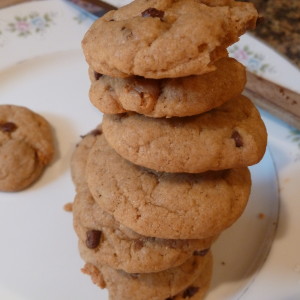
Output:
[[167, 170]]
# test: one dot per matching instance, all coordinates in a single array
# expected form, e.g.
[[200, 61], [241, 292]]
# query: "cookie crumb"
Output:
[[261, 216], [68, 207], [95, 274]]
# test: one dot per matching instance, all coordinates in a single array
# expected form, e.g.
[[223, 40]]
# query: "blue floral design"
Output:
[[253, 61]]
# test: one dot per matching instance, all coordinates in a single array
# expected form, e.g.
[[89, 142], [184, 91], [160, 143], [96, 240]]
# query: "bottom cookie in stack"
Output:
[[130, 265], [139, 265], [190, 280]]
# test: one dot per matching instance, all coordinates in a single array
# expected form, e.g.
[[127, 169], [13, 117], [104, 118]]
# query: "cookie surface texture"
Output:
[[150, 286], [79, 158], [230, 136], [165, 205], [26, 147], [152, 38], [176, 97], [121, 248]]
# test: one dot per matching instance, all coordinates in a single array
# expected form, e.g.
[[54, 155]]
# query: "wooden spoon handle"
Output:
[[276, 99]]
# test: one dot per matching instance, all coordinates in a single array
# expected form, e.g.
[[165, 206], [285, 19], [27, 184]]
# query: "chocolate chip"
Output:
[[148, 91], [127, 32], [170, 298], [190, 292], [237, 138], [134, 275], [95, 132], [8, 127], [153, 13], [138, 244], [201, 252], [93, 238], [97, 75]]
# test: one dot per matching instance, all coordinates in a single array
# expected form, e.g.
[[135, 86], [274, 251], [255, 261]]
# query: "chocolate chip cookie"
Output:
[[103, 240], [26, 147], [181, 281], [230, 136], [177, 97], [167, 38], [165, 205], [79, 158]]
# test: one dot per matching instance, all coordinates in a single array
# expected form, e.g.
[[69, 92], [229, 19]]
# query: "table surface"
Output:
[[280, 26]]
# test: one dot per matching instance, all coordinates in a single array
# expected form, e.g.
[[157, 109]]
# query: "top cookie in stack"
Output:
[[166, 38]]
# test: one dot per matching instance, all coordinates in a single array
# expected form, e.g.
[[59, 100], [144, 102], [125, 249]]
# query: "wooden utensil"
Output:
[[276, 99]]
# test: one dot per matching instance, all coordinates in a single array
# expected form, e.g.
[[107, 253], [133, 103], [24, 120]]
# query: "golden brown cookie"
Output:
[[26, 147], [167, 38], [165, 205], [177, 97], [230, 136], [79, 158], [103, 240], [163, 285]]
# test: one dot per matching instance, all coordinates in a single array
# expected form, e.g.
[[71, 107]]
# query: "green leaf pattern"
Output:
[[294, 136]]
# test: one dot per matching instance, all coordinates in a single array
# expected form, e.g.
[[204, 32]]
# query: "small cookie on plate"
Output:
[[177, 97], [166, 205], [103, 240], [167, 38], [155, 286], [26, 147], [232, 135]]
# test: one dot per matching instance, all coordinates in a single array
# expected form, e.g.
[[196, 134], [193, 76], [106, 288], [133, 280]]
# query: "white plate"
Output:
[[42, 67]]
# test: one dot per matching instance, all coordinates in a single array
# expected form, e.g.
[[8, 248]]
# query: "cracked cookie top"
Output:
[[166, 38], [232, 135], [103, 240], [26, 147], [165, 205]]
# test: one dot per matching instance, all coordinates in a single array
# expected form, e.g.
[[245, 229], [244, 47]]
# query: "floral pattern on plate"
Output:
[[255, 62], [283, 143], [30, 24]]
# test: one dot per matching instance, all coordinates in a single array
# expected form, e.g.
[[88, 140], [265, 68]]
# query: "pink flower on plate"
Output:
[[240, 55], [22, 26]]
